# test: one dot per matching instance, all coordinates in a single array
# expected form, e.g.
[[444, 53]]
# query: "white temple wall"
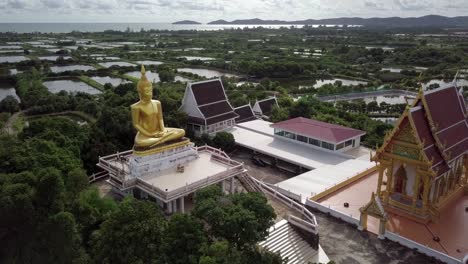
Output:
[[410, 174], [189, 105]]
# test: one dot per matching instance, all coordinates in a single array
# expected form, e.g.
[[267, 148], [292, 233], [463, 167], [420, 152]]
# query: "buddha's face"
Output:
[[146, 93]]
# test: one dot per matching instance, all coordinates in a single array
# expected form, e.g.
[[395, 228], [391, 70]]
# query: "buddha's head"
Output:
[[144, 87]]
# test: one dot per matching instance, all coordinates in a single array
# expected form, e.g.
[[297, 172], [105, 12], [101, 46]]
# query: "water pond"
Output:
[[190, 58], [12, 59], [70, 86], [116, 63], [345, 82], [4, 92], [58, 69], [206, 72], [53, 58], [148, 62], [152, 76], [106, 79]]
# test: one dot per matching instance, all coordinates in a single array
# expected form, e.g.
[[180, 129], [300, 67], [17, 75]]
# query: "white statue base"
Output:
[[140, 166]]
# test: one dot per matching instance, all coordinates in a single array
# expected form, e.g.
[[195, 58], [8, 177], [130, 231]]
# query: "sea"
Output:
[[99, 27]]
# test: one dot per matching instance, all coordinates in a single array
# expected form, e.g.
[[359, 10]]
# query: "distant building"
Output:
[[207, 107], [245, 113], [264, 107], [318, 134]]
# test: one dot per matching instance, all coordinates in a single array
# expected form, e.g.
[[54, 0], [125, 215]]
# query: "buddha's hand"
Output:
[[158, 134]]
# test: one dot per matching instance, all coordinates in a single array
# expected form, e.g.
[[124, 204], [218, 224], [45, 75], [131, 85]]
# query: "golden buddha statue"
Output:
[[147, 118]]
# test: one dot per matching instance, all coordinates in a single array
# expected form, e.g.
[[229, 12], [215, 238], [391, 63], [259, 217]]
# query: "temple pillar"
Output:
[[182, 204], [174, 205], [389, 182], [417, 181], [466, 169], [363, 221], [379, 183], [382, 223], [169, 207], [232, 185], [223, 186], [427, 187]]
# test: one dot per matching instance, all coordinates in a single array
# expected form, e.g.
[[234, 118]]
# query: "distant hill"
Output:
[[424, 21], [186, 22]]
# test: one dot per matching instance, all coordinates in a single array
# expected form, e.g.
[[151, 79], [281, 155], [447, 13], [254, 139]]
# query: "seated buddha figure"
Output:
[[147, 118]]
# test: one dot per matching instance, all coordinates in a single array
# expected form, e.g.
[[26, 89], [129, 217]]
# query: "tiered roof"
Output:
[[319, 130], [265, 106], [211, 101], [245, 113], [440, 122]]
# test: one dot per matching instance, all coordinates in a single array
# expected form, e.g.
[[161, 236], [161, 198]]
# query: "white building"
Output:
[[318, 134], [207, 107]]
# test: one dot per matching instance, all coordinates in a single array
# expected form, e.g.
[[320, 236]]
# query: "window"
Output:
[[314, 142], [348, 143], [301, 138], [340, 146], [329, 146], [289, 135], [279, 132]]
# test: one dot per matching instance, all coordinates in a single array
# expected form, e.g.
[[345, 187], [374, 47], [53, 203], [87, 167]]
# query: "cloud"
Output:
[[374, 5], [411, 5], [208, 10]]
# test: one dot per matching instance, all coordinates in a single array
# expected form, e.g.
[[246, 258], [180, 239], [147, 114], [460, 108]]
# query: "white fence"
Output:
[[340, 215], [421, 248]]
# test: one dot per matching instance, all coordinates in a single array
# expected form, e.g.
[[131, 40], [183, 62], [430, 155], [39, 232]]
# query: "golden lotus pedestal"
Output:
[[143, 151], [150, 161]]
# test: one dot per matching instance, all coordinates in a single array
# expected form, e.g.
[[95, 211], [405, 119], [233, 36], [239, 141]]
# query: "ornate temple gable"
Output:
[[446, 114], [374, 208]]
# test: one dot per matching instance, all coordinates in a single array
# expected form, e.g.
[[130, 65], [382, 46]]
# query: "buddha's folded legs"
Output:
[[169, 135]]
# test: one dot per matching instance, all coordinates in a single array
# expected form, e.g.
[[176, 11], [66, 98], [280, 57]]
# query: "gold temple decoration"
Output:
[[147, 118]]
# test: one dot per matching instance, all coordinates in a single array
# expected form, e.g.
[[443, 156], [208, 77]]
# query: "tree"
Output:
[[183, 239], [225, 141], [166, 75], [241, 219], [131, 234], [9, 104]]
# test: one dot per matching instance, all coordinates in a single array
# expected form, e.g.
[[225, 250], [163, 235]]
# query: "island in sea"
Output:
[[186, 22]]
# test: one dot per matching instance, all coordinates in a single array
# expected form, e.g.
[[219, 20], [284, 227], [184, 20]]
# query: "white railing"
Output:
[[287, 201], [333, 212], [190, 187], [296, 221], [421, 248], [98, 176]]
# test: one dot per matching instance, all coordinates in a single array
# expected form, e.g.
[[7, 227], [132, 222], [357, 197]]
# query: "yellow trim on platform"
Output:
[[343, 184]]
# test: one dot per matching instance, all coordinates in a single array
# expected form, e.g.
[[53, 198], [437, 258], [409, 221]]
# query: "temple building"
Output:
[[264, 107], [207, 107], [245, 113], [422, 160]]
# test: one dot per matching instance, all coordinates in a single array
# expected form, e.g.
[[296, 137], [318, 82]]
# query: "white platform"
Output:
[[140, 166], [319, 180], [291, 152]]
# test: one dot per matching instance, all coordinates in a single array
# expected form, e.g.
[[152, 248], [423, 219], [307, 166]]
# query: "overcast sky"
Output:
[[208, 10]]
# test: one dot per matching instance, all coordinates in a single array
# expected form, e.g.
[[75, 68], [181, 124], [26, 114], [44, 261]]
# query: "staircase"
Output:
[[285, 239]]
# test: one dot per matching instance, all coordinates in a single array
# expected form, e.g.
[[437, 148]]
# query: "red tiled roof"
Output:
[[422, 126], [208, 92], [318, 129], [444, 107]]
